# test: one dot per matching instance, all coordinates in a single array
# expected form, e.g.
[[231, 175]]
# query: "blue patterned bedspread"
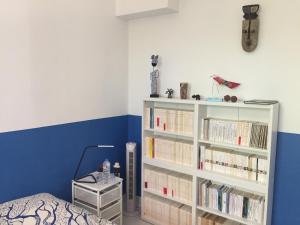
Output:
[[45, 209]]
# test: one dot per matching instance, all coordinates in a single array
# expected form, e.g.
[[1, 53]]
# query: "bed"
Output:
[[46, 209]]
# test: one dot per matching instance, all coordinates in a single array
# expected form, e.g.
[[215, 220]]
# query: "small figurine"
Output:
[[183, 90], [154, 75], [170, 92], [197, 97]]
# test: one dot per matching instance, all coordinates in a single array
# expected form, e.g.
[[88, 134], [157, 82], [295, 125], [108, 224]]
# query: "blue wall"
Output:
[[287, 180], [287, 177], [44, 159]]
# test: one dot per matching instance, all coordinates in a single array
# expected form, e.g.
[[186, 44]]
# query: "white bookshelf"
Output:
[[221, 110]]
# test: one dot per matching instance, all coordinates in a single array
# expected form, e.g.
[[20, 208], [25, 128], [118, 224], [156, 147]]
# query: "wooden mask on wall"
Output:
[[250, 27]]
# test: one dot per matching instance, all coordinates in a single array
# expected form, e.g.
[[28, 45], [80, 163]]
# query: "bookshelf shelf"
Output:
[[169, 198], [206, 103], [227, 216], [169, 134], [256, 123], [169, 166], [238, 148], [237, 182]]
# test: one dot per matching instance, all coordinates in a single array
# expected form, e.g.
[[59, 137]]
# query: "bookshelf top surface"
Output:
[[207, 103]]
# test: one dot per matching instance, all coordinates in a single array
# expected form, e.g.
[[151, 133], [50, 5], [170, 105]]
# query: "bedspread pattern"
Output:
[[45, 209]]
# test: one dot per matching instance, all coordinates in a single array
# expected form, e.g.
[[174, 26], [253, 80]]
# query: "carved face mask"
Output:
[[250, 28]]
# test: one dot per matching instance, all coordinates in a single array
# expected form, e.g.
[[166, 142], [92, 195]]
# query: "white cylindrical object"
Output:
[[131, 177]]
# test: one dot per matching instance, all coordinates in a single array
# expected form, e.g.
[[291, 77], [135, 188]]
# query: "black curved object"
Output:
[[90, 147]]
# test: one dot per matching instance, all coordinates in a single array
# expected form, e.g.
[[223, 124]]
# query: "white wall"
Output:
[[205, 39], [61, 61]]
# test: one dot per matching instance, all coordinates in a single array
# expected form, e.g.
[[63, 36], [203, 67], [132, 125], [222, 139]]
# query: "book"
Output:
[[169, 120], [149, 147], [244, 133], [185, 217], [168, 184], [175, 213], [149, 118], [262, 168], [231, 201], [169, 150], [204, 218], [225, 161], [165, 212]]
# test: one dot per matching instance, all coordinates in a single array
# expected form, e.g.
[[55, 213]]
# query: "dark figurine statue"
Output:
[[250, 28], [154, 75]]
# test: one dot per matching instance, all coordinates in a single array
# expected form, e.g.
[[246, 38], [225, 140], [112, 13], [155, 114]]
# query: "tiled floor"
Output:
[[133, 220]]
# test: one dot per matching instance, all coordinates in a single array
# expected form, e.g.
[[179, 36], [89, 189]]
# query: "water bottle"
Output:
[[106, 171]]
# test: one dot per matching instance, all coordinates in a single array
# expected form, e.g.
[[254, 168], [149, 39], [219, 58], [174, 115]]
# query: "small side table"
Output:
[[103, 200]]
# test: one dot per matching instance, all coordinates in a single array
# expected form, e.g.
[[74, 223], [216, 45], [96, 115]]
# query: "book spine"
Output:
[[151, 118]]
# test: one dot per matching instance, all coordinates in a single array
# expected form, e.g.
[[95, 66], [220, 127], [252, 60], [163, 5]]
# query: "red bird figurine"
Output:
[[227, 83]]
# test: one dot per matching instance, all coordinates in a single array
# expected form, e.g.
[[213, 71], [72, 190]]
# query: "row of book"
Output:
[[163, 212], [231, 201], [175, 121], [169, 150], [244, 133], [228, 162], [172, 185], [204, 218]]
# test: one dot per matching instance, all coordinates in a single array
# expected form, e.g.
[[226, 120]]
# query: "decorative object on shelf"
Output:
[[250, 27], [117, 169], [214, 99], [228, 98], [154, 75], [261, 102], [91, 147], [229, 84], [170, 92], [183, 90], [196, 96]]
